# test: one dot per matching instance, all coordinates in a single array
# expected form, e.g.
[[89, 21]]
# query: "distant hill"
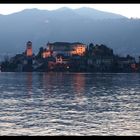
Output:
[[83, 25], [96, 14]]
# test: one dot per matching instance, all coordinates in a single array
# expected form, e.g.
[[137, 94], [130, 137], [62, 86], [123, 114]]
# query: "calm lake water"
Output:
[[69, 104]]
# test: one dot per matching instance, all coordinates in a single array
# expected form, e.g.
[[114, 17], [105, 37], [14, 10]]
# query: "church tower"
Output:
[[29, 52]]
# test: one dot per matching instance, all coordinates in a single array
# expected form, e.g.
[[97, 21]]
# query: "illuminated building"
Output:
[[59, 60], [29, 51], [46, 53], [78, 49], [67, 49]]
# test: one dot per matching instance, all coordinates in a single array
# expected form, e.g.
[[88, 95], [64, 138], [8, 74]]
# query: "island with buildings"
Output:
[[71, 57]]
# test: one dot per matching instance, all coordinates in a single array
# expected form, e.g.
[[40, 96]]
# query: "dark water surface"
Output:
[[69, 104]]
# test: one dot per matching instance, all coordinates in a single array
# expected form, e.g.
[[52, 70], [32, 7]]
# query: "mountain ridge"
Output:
[[40, 26]]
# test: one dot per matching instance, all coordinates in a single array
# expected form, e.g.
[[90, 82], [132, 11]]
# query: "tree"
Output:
[[90, 49], [139, 59], [39, 55], [91, 46]]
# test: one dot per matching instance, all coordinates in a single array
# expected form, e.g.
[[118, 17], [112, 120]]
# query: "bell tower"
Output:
[[29, 52]]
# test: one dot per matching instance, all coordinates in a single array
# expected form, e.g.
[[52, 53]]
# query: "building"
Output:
[[78, 49], [67, 49], [46, 53], [124, 62], [99, 58], [29, 51]]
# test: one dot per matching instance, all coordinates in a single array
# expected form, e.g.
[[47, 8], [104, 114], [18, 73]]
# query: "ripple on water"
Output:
[[69, 104]]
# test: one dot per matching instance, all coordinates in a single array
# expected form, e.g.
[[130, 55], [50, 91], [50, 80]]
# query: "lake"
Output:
[[69, 104]]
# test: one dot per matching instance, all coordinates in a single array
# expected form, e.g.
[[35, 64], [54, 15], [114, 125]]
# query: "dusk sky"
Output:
[[128, 10]]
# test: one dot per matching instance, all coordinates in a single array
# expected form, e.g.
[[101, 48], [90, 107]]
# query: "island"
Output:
[[70, 57]]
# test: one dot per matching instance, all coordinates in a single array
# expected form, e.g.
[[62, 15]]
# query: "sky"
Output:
[[128, 10]]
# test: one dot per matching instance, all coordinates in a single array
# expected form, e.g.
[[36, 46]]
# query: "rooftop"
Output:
[[64, 43]]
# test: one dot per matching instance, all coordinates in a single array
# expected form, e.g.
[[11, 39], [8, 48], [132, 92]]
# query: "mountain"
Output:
[[96, 14], [83, 25]]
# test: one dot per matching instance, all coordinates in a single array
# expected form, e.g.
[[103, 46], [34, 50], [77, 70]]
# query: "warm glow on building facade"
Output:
[[67, 49], [59, 60], [29, 51], [46, 54], [78, 50]]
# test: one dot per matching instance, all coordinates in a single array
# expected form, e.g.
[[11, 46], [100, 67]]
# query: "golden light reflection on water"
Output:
[[79, 87], [29, 83], [63, 104], [79, 81]]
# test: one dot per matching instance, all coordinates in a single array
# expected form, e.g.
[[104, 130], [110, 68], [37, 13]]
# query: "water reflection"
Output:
[[29, 83], [79, 83], [69, 104]]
